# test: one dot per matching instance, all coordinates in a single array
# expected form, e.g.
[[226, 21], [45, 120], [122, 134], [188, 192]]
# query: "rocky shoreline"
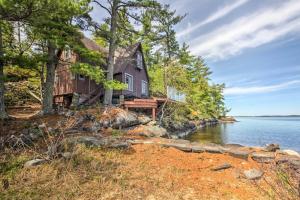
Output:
[[116, 129]]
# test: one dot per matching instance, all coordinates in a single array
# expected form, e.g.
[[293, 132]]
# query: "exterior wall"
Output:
[[138, 76], [85, 86], [64, 83]]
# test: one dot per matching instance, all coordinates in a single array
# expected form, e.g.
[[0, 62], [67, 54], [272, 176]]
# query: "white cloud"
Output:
[[217, 15], [259, 89], [248, 32]]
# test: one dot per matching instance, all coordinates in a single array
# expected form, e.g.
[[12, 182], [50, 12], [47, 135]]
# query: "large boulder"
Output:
[[118, 118], [148, 131]]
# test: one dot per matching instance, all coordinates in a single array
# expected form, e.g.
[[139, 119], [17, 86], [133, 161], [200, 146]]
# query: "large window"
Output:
[[139, 59], [144, 87], [129, 82]]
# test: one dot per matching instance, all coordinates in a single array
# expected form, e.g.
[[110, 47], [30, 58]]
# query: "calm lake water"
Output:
[[254, 131]]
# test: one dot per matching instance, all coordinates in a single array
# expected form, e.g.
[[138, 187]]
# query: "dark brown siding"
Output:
[[64, 84], [138, 76], [85, 86]]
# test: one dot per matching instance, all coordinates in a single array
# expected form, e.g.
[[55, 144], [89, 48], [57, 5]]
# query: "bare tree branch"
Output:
[[102, 6]]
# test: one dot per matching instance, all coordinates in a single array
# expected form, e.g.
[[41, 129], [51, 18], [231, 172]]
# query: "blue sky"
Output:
[[251, 46]]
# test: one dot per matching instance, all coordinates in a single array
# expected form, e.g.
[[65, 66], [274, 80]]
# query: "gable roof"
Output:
[[123, 56], [92, 45]]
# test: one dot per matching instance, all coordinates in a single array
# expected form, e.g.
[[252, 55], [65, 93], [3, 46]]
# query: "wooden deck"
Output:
[[153, 104]]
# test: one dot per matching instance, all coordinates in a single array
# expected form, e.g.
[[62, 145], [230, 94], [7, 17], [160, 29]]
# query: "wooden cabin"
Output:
[[129, 68]]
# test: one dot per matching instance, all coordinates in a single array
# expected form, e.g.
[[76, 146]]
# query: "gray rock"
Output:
[[222, 167], [197, 149], [253, 174], [263, 157], [272, 147], [70, 113], [238, 153], [120, 145], [89, 141], [34, 162], [213, 149], [181, 147], [124, 119], [144, 119], [295, 164], [96, 127], [36, 133], [67, 155], [26, 139], [152, 131], [233, 145], [181, 141], [86, 140]]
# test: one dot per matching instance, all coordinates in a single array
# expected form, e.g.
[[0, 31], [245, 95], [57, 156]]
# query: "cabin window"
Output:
[[68, 53], [144, 87], [56, 77], [139, 59], [129, 82], [81, 77], [72, 75]]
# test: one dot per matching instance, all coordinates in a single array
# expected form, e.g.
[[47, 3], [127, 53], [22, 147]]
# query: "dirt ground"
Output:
[[144, 172]]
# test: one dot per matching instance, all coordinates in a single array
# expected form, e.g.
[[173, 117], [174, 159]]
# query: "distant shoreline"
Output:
[[269, 116]]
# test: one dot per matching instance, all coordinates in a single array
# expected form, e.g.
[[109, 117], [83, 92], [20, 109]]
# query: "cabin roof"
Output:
[[123, 56], [90, 44]]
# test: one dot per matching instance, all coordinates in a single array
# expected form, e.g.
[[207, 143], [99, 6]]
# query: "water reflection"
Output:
[[212, 134]]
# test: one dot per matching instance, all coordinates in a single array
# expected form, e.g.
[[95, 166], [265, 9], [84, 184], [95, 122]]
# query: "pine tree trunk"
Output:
[[111, 55], [3, 113], [47, 103]]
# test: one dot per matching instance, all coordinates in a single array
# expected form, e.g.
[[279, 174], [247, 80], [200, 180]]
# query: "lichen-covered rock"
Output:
[[237, 153], [263, 157], [148, 131], [118, 118], [67, 155], [272, 147], [222, 167], [253, 174], [143, 119], [86, 140], [35, 162], [181, 147]]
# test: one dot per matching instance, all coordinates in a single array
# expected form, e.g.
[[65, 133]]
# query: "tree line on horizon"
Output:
[[34, 34]]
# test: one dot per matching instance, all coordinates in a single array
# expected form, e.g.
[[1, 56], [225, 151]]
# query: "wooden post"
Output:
[[121, 98], [153, 114]]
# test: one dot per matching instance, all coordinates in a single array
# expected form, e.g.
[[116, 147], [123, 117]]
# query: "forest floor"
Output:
[[144, 171]]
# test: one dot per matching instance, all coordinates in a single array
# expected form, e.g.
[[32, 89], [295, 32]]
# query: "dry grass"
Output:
[[144, 172]]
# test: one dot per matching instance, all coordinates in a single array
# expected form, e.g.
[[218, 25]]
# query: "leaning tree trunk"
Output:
[[47, 103], [111, 54], [3, 113]]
